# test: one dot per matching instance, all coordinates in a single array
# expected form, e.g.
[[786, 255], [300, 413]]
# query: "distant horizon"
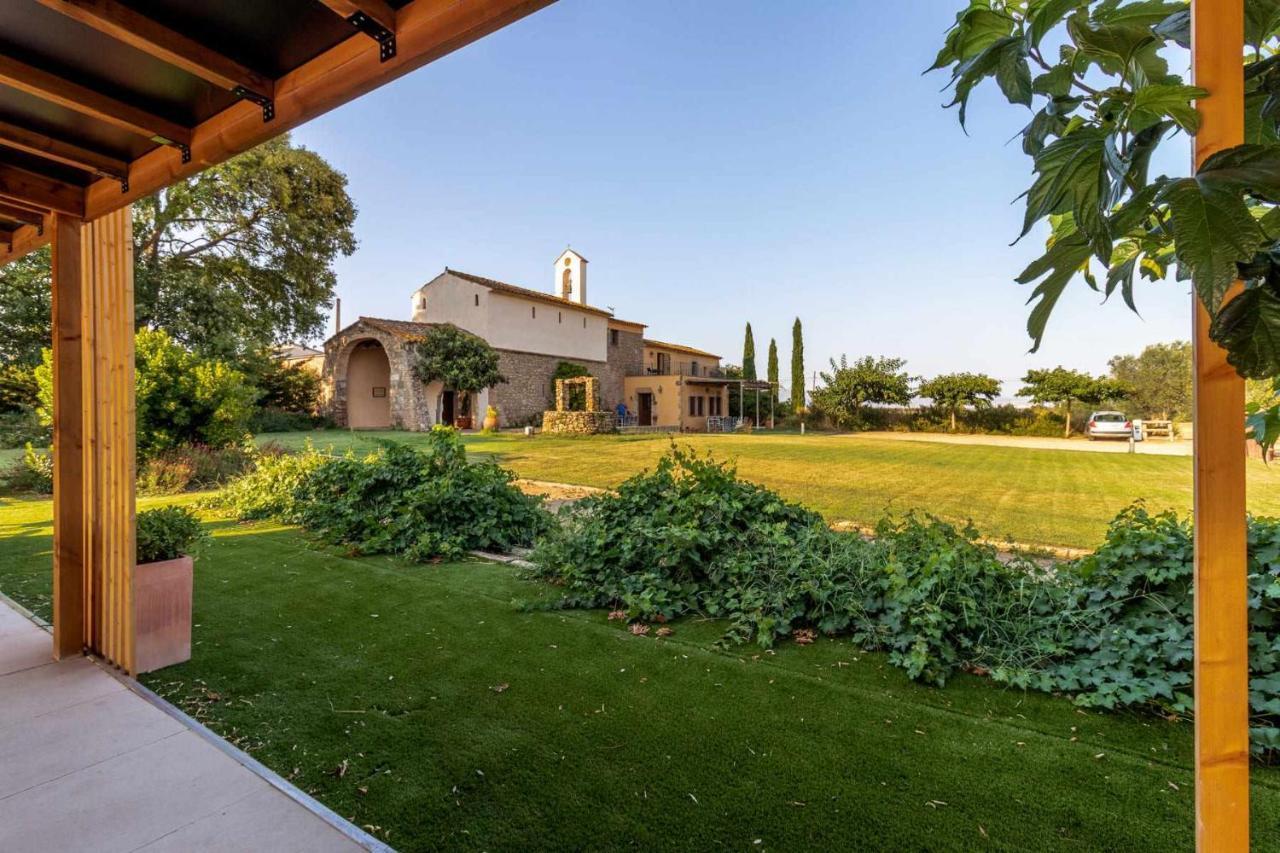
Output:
[[712, 182]]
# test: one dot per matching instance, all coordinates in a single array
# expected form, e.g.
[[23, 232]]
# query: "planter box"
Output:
[[162, 613]]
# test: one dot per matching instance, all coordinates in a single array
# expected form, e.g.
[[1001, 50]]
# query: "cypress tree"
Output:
[[797, 366], [749, 355], [773, 368]]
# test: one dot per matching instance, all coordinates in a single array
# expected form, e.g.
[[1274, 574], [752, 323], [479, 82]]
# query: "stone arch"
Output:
[[405, 399], [368, 386]]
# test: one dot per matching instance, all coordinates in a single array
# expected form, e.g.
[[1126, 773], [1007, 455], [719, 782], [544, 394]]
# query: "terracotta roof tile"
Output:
[[650, 342]]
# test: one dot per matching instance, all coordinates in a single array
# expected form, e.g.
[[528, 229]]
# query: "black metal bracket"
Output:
[[268, 105], [186, 151], [124, 184], [384, 37]]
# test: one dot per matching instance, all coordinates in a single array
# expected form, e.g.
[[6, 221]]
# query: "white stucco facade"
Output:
[[509, 319]]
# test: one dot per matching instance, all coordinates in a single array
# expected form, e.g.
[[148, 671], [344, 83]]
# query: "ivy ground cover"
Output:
[[422, 702], [1036, 497]]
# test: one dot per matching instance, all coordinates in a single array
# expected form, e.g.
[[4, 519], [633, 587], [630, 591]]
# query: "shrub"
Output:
[[182, 398], [18, 388], [193, 467], [279, 420], [422, 504], [21, 427], [271, 487], [32, 473], [166, 533]]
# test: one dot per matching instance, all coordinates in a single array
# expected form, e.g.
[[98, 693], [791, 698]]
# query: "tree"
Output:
[[283, 387], [462, 361], [773, 370], [26, 309], [951, 392], [182, 396], [1061, 387], [1103, 102], [228, 262], [749, 355], [240, 256], [1160, 379], [797, 367], [849, 387]]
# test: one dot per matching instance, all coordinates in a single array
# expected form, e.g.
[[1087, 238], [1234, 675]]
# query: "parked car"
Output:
[[1109, 425]]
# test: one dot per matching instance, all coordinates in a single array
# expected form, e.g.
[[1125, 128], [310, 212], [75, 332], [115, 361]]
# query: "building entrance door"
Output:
[[646, 409], [447, 413]]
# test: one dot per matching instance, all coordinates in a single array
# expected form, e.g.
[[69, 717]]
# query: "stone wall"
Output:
[[577, 423], [527, 392], [626, 358]]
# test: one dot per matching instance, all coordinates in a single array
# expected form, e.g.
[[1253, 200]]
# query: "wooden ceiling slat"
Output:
[[41, 84], [22, 213], [28, 188], [427, 30], [22, 139], [375, 10], [26, 239], [142, 33]]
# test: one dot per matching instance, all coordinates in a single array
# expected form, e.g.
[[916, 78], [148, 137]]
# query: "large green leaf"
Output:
[[973, 71], [1044, 15], [1248, 328], [1013, 73], [976, 29], [1071, 177], [1067, 256], [1147, 13], [1153, 102], [1213, 231], [1261, 19]]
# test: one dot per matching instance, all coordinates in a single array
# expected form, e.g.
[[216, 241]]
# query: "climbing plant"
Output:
[[1096, 79]]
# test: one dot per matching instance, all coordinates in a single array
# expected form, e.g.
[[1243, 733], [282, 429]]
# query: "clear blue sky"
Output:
[[719, 162]]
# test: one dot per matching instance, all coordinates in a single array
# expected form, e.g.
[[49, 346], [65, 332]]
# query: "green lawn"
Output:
[[423, 702], [1040, 497]]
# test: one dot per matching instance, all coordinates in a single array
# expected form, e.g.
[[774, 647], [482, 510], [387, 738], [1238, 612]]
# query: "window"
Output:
[[693, 368], [534, 312], [584, 322], [713, 406], [477, 300], [559, 316], [613, 337], [695, 406], [422, 303]]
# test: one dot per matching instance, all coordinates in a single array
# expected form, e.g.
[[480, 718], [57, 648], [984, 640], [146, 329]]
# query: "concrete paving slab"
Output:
[[93, 761], [70, 739]]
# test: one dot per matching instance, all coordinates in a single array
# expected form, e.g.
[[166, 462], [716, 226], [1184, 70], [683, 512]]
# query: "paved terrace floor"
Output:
[[87, 763]]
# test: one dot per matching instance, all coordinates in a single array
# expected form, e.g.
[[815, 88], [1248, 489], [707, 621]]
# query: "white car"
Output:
[[1109, 425]]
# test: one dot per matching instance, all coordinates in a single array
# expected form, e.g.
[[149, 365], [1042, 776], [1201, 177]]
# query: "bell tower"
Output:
[[571, 277]]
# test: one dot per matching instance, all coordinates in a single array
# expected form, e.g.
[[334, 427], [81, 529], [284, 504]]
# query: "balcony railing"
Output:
[[686, 368]]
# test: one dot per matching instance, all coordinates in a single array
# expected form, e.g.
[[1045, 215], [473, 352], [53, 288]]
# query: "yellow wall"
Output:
[[671, 400]]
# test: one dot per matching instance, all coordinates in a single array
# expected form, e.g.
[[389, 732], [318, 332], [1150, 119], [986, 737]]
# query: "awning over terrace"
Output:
[[103, 102]]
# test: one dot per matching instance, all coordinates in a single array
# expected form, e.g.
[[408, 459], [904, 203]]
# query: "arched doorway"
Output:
[[368, 387]]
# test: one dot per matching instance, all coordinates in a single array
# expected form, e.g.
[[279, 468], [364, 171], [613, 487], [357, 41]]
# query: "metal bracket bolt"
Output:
[[268, 105], [385, 38]]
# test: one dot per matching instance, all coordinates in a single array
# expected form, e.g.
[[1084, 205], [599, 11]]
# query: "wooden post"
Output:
[[1221, 607], [69, 404], [93, 436], [108, 266]]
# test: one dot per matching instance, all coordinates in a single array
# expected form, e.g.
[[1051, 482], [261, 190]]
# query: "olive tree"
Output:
[[462, 361], [847, 388], [1061, 387], [952, 392]]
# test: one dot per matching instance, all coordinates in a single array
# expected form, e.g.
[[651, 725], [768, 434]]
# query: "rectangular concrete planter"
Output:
[[162, 613]]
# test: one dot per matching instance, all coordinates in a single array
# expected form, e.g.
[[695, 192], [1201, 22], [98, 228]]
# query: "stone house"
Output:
[[369, 381]]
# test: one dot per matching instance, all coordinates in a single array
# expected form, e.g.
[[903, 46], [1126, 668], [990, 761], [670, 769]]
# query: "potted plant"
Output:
[[167, 539], [459, 360], [490, 419]]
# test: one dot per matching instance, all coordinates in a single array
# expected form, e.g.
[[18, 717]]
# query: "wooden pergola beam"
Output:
[[50, 87], [6, 235], [25, 240], [69, 154], [375, 10], [1220, 535], [142, 33], [28, 189], [426, 31]]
